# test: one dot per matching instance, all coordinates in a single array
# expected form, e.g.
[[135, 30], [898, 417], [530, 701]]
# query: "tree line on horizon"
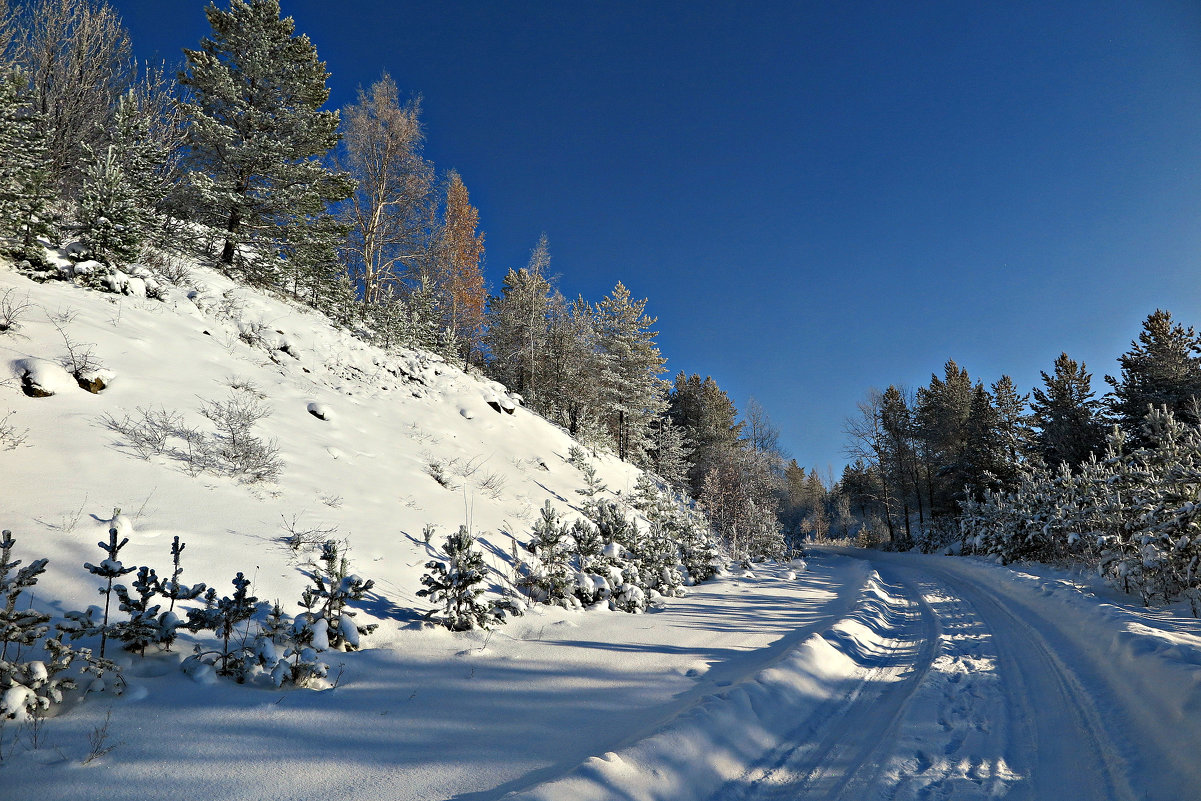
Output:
[[233, 158], [1056, 474]]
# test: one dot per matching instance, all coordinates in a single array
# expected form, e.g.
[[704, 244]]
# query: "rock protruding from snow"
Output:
[[41, 378]]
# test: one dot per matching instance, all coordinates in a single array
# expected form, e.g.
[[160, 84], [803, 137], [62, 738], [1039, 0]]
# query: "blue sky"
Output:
[[816, 198]]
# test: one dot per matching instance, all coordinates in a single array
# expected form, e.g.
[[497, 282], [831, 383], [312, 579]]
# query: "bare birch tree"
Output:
[[391, 214]]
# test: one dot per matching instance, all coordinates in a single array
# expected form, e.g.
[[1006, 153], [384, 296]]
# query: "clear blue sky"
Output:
[[816, 197]]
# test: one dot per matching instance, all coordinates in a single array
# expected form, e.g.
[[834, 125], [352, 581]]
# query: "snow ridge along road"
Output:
[[951, 679]]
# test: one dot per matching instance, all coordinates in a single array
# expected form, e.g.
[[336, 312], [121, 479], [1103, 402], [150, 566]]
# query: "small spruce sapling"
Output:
[[222, 616], [83, 624], [333, 587], [550, 579], [592, 489], [143, 627], [27, 688], [18, 627], [174, 591], [455, 583]]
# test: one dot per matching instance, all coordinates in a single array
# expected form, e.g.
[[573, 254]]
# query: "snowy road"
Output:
[[952, 680]]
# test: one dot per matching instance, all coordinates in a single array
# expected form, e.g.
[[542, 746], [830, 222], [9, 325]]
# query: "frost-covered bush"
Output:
[[455, 583], [233, 449], [236, 449]]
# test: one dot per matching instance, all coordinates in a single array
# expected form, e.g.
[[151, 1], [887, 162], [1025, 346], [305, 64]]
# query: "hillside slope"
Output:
[[363, 473]]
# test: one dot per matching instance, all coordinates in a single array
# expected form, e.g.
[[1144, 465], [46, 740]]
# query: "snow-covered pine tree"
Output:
[[518, 321], [633, 393], [334, 586], [143, 627], [173, 591], [669, 453], [27, 687], [26, 191], [455, 584], [625, 549], [110, 217], [550, 578], [222, 616], [18, 627], [83, 624], [1013, 429], [257, 134], [592, 577], [593, 486]]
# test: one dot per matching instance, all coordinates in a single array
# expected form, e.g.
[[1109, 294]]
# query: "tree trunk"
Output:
[[231, 227]]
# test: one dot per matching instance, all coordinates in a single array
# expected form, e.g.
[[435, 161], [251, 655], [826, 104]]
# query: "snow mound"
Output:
[[44, 377]]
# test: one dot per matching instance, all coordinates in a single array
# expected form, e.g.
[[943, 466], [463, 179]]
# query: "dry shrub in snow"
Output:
[[12, 309], [233, 449]]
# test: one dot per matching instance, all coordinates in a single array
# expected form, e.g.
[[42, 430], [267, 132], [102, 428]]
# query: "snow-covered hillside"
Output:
[[849, 675], [361, 435]]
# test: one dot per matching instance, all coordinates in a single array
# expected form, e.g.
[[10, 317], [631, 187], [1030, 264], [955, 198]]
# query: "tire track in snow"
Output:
[[967, 702], [957, 724], [835, 752], [1059, 740]]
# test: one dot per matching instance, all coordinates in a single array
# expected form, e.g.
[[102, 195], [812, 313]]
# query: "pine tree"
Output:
[[455, 583], [147, 138], [518, 327], [941, 416], [982, 460], [571, 392], [1161, 369], [334, 587], [84, 623], [633, 392], [1067, 416], [257, 135], [709, 421], [25, 185], [669, 456], [173, 590], [551, 578], [143, 627], [1013, 428], [18, 627], [110, 218], [30, 680], [222, 616]]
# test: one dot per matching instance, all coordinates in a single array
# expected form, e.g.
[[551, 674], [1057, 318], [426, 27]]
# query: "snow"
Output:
[[847, 675]]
